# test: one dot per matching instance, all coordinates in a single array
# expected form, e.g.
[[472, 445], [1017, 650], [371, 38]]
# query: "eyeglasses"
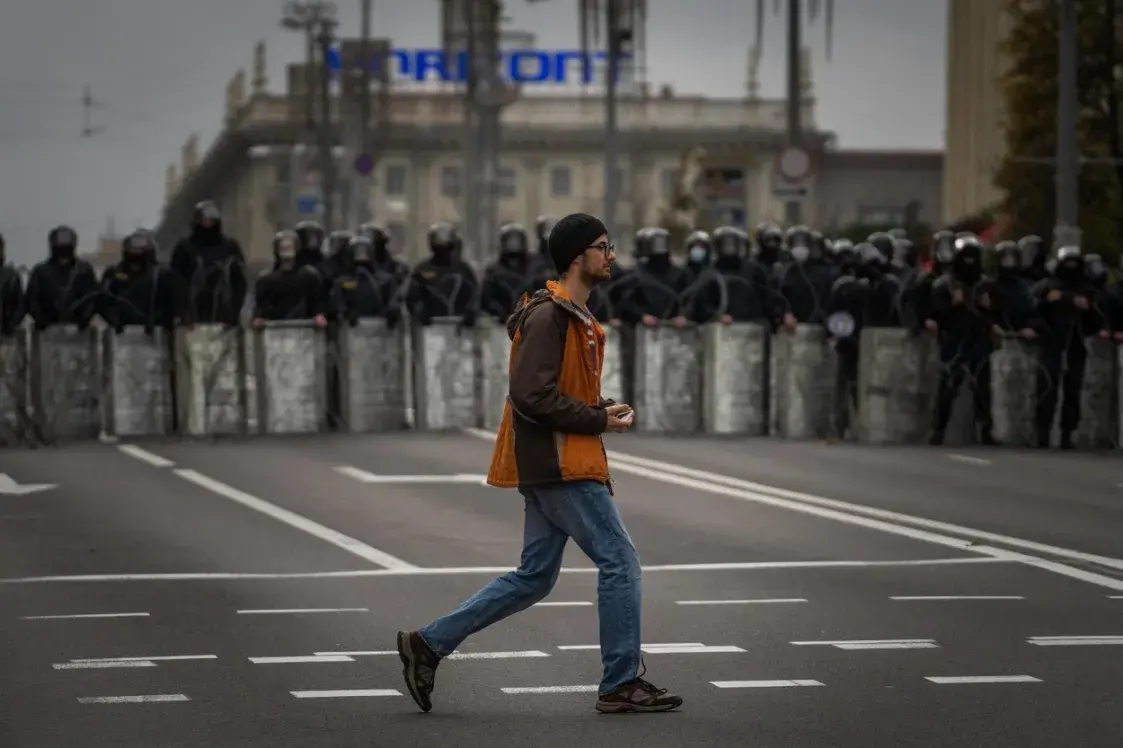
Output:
[[604, 247]]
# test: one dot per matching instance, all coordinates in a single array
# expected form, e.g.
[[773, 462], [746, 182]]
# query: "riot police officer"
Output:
[[509, 277], [748, 297], [1068, 314], [288, 291], [804, 283], [443, 285], [62, 289], [137, 291], [706, 298], [210, 270], [362, 290], [961, 315], [11, 295], [656, 286]]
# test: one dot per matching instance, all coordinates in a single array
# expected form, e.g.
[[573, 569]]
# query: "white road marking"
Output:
[[742, 602], [919, 598], [968, 459], [550, 689], [1075, 641], [367, 653], [145, 456], [894, 523], [364, 477], [9, 486], [103, 665], [362, 550], [1115, 597], [566, 604], [679, 649], [349, 694], [579, 647], [301, 659], [863, 644], [764, 683], [489, 570], [149, 699], [83, 615], [282, 611], [942, 680], [158, 658], [495, 655]]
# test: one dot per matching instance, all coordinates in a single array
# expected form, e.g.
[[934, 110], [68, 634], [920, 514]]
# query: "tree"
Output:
[[1029, 85]]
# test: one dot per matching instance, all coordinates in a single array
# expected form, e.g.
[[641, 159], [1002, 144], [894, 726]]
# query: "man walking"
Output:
[[556, 416]]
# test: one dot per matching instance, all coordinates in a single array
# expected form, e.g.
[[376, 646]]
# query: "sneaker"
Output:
[[420, 667], [638, 696]]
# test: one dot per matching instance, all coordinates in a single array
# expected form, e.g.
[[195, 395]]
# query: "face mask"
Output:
[[134, 259], [800, 254], [698, 255]]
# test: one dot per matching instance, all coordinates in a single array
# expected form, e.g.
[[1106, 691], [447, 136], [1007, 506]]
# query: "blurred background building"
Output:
[[975, 109], [261, 169]]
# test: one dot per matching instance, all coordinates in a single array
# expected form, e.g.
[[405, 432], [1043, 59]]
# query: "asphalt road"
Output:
[[820, 596]]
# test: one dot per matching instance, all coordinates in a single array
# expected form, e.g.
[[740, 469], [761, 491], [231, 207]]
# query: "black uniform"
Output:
[[333, 265], [804, 284], [768, 248], [1064, 325], [916, 292], [1035, 258], [1109, 300], [210, 270], [12, 306], [64, 289], [1014, 306], [443, 285], [748, 296], [288, 292], [361, 290], [706, 298], [541, 266], [963, 310], [508, 278], [656, 286], [137, 291]]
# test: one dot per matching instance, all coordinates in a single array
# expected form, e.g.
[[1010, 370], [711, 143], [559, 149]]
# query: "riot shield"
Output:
[[446, 366], [371, 366], [495, 355], [14, 360], [291, 376], [210, 381], [735, 382], [65, 377], [802, 384], [1013, 374], [138, 383], [668, 382], [896, 389]]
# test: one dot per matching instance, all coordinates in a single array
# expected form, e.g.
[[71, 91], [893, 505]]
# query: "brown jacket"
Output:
[[554, 415]]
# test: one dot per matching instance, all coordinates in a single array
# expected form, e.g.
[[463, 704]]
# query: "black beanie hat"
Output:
[[571, 236]]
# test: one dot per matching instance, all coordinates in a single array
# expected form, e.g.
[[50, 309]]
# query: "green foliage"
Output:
[[1026, 175]]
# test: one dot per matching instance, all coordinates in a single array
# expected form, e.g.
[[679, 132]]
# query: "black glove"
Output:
[[150, 330], [118, 328], [353, 320], [469, 319], [393, 317]]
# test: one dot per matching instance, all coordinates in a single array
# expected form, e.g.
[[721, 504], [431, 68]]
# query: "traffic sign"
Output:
[[792, 174], [364, 164], [308, 204]]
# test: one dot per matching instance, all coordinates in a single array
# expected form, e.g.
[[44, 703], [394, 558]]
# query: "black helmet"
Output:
[[513, 239], [311, 235]]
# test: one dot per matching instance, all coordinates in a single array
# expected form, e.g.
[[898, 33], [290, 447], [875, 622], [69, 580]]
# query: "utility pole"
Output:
[[1067, 227], [484, 99], [611, 127], [316, 20], [792, 209], [325, 37]]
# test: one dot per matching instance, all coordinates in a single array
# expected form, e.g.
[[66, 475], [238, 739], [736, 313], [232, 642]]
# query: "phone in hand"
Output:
[[627, 416]]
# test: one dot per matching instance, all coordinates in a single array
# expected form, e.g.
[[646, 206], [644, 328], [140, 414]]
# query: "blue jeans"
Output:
[[584, 511]]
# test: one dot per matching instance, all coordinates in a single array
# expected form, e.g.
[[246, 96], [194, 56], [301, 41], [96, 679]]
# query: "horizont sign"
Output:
[[517, 66]]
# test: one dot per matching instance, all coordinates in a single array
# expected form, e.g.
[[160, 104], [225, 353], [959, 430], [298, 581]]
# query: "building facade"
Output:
[[261, 171], [975, 105]]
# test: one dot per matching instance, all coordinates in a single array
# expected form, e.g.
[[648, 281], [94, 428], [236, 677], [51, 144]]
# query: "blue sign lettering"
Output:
[[517, 66]]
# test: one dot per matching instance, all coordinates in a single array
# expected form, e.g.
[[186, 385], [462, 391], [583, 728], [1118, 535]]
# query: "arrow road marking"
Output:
[[10, 487]]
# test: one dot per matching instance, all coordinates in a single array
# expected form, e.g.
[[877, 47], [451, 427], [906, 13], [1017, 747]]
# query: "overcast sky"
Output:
[[159, 70]]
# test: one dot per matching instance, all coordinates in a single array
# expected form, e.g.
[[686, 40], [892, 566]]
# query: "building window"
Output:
[[668, 183], [507, 182], [561, 181], [397, 233], [395, 177], [881, 216], [451, 177]]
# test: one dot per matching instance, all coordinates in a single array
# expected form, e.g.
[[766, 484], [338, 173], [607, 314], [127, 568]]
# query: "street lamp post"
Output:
[[316, 20], [1067, 177]]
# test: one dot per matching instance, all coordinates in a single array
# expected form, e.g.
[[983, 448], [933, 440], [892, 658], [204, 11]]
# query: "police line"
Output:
[[295, 378]]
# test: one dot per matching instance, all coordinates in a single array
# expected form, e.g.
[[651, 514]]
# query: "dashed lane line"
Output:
[[763, 601], [295, 611], [147, 699], [347, 693], [971, 679], [79, 616], [765, 683]]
